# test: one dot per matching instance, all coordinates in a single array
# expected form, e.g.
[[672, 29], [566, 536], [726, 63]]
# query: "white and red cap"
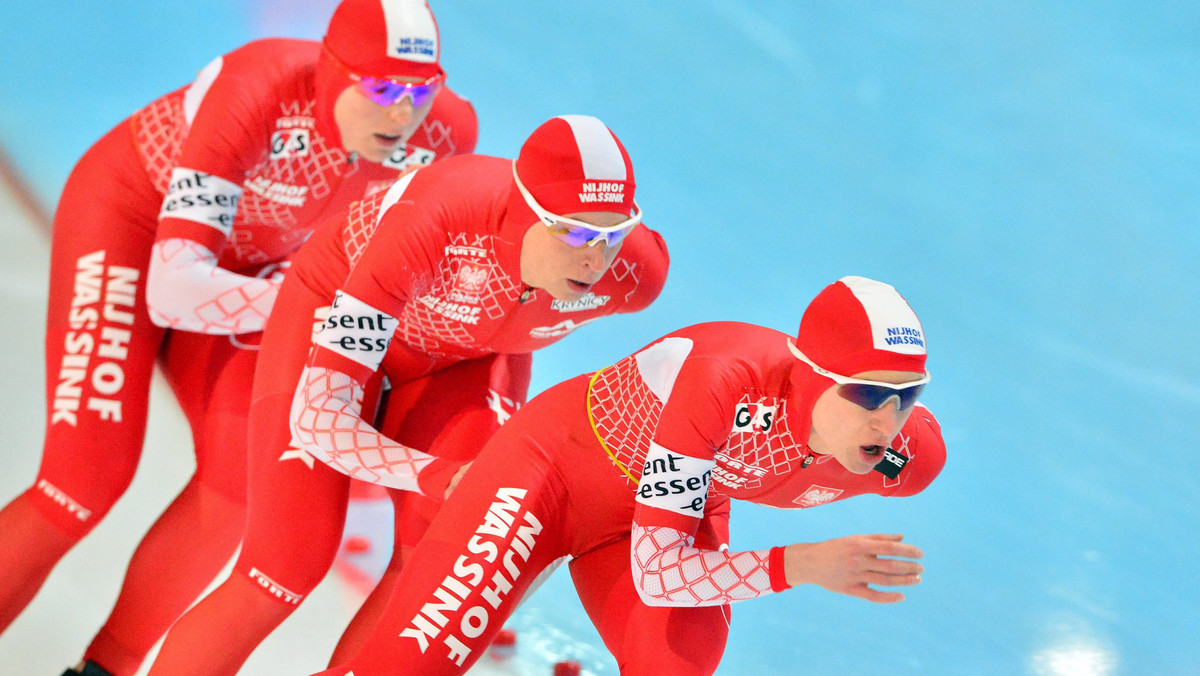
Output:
[[385, 38], [374, 38], [858, 324], [574, 163], [854, 325]]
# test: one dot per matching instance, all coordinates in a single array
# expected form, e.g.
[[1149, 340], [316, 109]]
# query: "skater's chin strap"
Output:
[[592, 421]]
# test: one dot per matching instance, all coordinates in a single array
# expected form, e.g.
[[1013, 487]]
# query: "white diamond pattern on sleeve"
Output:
[[186, 289], [325, 422], [669, 571]]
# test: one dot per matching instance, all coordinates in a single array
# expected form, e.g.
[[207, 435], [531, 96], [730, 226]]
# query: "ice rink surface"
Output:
[[1026, 173]]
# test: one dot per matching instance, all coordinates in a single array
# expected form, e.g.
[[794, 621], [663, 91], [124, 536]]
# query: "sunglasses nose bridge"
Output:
[[594, 258], [891, 404], [887, 418], [401, 110]]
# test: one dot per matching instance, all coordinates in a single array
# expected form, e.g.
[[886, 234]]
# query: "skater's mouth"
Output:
[[578, 286], [872, 454]]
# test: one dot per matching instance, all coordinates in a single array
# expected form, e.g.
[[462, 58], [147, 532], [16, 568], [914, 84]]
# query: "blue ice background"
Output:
[[1026, 173]]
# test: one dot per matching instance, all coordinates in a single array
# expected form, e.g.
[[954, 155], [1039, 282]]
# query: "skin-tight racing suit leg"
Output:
[[294, 516], [210, 377], [452, 412], [100, 348]]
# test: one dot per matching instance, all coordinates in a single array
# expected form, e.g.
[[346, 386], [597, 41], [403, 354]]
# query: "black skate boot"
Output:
[[89, 668]]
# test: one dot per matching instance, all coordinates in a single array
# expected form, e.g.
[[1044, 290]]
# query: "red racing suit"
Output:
[[190, 204], [428, 294], [618, 469]]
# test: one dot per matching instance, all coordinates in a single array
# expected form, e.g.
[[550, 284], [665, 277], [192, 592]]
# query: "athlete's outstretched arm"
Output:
[[669, 570]]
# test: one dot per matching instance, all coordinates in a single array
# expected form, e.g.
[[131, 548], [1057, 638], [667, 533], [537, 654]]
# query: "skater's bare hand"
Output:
[[851, 564]]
